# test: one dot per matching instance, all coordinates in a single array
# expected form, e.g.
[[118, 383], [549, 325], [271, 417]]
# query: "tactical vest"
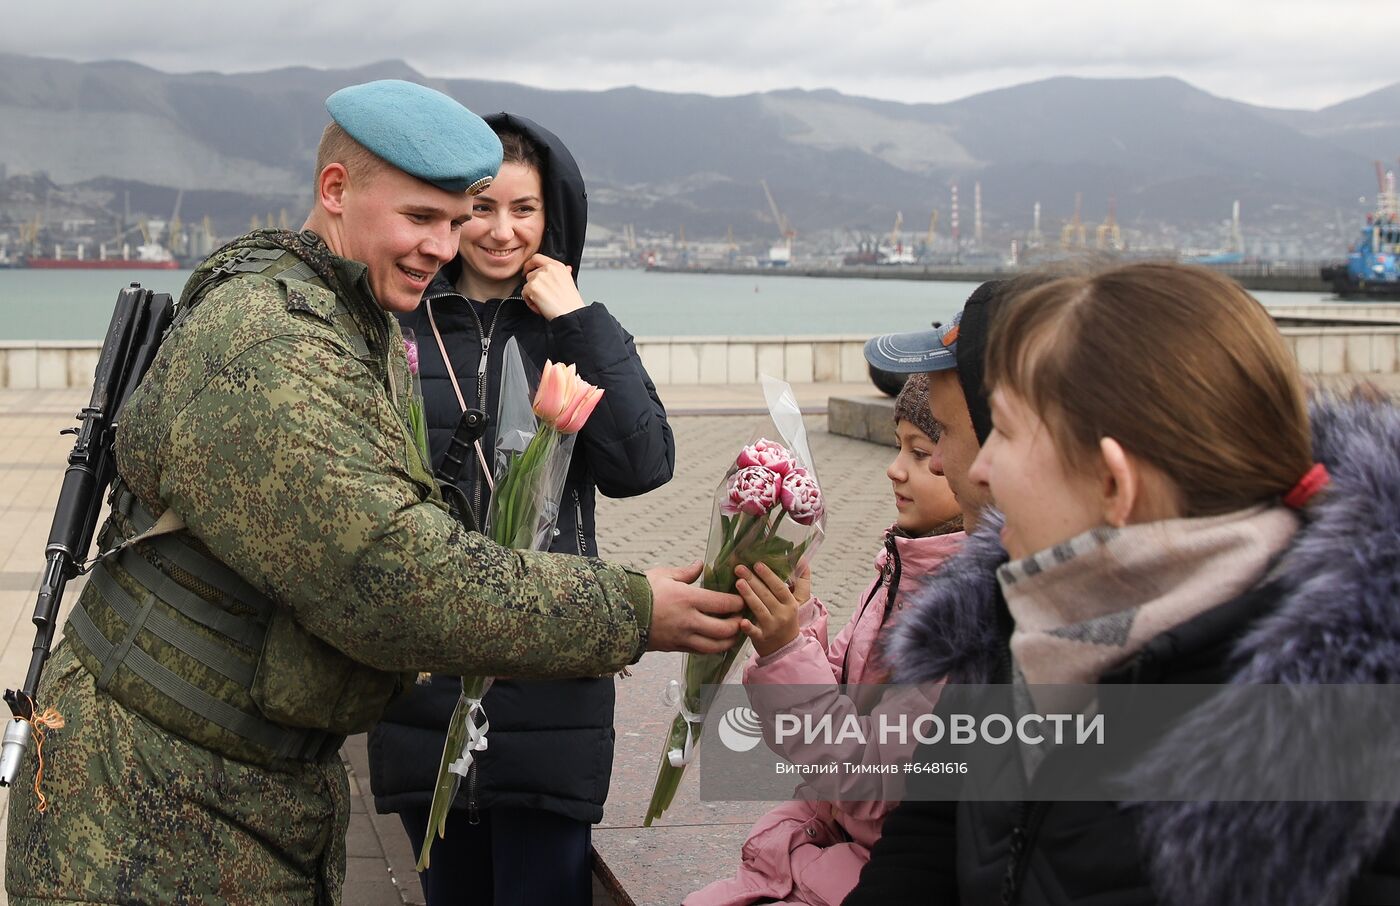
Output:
[[173, 634]]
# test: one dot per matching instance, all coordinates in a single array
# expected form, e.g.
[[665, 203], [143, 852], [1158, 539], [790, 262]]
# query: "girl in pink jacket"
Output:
[[809, 852]]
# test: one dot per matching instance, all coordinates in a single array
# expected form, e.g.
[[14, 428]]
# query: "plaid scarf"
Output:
[[1088, 605]]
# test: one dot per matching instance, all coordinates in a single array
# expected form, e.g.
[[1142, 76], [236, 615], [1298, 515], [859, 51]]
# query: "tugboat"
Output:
[[1372, 270]]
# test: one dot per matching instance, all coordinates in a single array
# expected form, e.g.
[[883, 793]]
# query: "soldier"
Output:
[[210, 673]]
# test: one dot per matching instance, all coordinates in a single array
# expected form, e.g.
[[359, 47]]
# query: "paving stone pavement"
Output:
[[695, 842]]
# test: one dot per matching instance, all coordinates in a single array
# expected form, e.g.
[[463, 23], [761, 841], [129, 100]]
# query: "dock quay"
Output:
[[1292, 277]]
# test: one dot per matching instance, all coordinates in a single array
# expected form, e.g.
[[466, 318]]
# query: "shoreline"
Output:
[[1302, 279]]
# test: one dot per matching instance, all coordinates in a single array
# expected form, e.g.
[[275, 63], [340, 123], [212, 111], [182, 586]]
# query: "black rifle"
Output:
[[139, 322], [469, 431]]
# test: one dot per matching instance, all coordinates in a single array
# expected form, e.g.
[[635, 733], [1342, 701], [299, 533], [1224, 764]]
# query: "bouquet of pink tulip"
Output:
[[534, 443], [768, 509]]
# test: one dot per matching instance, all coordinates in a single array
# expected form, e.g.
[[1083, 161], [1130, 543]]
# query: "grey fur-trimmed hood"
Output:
[[1337, 621]]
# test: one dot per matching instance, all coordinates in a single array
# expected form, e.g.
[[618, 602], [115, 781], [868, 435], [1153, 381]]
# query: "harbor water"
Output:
[[76, 305]]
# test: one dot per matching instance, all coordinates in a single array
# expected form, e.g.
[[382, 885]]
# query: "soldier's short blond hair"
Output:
[[337, 147]]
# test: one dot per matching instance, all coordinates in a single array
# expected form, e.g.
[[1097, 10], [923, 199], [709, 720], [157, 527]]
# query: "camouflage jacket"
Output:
[[274, 421]]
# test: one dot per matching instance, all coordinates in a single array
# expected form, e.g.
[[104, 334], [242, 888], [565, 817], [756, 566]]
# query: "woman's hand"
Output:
[[773, 605], [549, 288]]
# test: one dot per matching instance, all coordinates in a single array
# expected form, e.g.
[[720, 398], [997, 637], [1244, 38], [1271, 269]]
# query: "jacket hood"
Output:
[[1337, 620], [565, 198]]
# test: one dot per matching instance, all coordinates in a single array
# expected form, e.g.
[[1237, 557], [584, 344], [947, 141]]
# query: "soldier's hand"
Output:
[[685, 617]]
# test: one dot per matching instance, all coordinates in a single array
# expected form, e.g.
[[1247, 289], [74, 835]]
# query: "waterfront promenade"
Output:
[[695, 842]]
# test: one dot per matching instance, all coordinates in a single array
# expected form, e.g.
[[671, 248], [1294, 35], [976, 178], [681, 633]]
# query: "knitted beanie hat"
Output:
[[912, 406]]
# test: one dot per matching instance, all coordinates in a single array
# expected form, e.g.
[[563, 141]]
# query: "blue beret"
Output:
[[421, 131]]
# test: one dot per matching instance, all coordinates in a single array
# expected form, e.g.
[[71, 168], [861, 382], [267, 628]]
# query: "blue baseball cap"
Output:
[[935, 349], [420, 131], [960, 345]]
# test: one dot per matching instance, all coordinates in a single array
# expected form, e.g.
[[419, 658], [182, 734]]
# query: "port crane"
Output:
[[1107, 236], [779, 254], [1072, 235], [175, 229], [1387, 201], [927, 250]]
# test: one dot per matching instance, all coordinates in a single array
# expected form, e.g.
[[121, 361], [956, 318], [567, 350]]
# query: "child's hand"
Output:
[[802, 583], [773, 605]]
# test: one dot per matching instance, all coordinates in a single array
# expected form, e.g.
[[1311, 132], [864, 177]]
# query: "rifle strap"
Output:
[[169, 521]]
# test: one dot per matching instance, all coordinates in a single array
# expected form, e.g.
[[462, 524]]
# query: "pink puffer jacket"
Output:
[[806, 852]]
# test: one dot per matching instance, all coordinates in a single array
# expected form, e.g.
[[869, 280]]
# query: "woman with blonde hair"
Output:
[[1173, 514]]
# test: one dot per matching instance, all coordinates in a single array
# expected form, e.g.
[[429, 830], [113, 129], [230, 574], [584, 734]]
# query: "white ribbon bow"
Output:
[[476, 738], [673, 697]]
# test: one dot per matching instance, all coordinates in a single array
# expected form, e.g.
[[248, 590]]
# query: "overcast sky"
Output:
[[1281, 53]]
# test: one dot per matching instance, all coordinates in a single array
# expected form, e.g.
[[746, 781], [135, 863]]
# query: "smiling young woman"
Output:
[[507, 226], [533, 795]]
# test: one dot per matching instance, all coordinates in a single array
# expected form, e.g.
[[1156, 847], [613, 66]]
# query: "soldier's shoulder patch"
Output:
[[309, 298]]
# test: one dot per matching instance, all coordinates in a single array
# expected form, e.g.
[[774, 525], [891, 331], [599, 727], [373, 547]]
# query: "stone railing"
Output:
[[1345, 350], [48, 364], [739, 360]]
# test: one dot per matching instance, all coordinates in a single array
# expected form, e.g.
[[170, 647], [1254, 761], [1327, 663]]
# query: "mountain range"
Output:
[[1165, 151]]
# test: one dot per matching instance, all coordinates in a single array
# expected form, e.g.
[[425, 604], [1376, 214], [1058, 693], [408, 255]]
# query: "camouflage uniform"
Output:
[[274, 423]]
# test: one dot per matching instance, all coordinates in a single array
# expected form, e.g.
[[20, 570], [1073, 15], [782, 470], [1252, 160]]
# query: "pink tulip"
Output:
[[801, 497], [564, 399], [752, 490], [578, 413], [410, 349], [552, 397], [767, 453]]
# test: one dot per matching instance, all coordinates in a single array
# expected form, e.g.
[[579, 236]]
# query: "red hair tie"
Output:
[[1313, 480]]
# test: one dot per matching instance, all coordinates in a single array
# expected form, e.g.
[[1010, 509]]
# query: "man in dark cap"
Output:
[[953, 356], [296, 565]]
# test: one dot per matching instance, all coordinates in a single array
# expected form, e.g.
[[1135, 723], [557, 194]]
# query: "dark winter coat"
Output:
[[551, 743], [1329, 613]]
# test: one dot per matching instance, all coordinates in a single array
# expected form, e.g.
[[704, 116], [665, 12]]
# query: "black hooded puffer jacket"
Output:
[[551, 742]]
